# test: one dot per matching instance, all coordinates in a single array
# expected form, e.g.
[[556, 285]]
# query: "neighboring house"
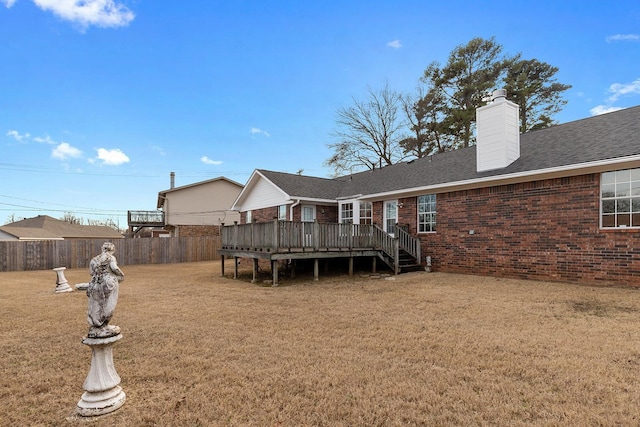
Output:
[[200, 208], [562, 203], [43, 227]]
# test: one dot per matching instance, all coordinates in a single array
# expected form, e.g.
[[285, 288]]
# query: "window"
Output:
[[308, 213], [366, 216], [282, 212], [346, 213], [248, 219], [620, 199], [427, 213]]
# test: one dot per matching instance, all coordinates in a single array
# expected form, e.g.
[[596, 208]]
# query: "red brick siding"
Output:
[[324, 214], [537, 230], [198, 230]]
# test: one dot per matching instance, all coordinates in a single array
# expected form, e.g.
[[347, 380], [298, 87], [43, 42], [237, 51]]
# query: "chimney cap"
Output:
[[499, 93]]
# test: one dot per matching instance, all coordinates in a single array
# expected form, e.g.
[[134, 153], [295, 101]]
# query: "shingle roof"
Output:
[[608, 136], [307, 187], [46, 227]]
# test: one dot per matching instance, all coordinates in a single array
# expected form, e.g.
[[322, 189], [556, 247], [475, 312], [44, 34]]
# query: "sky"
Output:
[[100, 100]]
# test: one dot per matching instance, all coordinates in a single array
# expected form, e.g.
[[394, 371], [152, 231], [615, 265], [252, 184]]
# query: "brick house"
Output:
[[562, 203]]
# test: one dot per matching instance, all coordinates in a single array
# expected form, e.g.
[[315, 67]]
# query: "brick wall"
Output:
[[538, 230], [198, 230], [324, 214]]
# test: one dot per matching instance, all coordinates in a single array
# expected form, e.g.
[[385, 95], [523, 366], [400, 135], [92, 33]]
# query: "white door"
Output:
[[308, 213], [308, 216], [390, 216]]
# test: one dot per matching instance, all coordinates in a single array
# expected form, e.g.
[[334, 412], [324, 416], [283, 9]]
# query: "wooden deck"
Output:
[[288, 240]]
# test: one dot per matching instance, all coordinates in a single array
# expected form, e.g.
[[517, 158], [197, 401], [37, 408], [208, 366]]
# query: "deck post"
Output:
[[235, 234], [274, 270], [235, 267], [255, 270], [316, 235], [315, 270], [293, 268], [350, 266], [276, 235], [222, 266], [396, 259], [373, 264]]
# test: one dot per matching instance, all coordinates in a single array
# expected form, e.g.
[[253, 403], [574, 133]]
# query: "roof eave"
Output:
[[548, 173]]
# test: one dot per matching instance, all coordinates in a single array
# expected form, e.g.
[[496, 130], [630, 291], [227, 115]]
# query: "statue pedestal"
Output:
[[102, 393], [62, 285]]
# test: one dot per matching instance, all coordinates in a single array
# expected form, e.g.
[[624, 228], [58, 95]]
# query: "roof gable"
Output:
[[220, 179]]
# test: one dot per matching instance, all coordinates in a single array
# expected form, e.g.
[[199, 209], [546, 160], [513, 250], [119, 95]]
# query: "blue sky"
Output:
[[101, 99]]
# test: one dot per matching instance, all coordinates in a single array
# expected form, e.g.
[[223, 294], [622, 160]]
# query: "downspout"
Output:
[[291, 209]]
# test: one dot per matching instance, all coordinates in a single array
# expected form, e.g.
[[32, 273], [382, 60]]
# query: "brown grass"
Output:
[[422, 349]]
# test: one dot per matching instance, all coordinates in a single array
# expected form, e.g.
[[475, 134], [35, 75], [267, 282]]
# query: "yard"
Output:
[[415, 349]]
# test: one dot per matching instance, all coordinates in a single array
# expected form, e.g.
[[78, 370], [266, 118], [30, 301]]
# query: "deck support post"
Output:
[[235, 267], [274, 270], [255, 270], [222, 266], [350, 266], [315, 269], [373, 264], [293, 268]]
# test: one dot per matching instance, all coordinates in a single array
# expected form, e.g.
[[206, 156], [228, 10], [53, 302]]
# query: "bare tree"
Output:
[[368, 133], [425, 116]]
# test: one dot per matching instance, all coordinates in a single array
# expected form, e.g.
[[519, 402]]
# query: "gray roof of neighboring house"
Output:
[[45, 227], [608, 136]]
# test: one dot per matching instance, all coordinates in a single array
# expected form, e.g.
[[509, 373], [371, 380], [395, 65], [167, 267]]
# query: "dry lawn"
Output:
[[421, 349]]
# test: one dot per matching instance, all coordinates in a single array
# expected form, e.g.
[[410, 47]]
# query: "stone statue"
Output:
[[103, 293]]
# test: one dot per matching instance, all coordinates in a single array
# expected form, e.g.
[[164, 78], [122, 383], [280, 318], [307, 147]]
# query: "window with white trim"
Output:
[[620, 199], [248, 218], [366, 213], [346, 213], [427, 213], [282, 212]]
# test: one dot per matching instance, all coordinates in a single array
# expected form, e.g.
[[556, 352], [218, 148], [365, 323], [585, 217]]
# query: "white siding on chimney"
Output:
[[497, 135]]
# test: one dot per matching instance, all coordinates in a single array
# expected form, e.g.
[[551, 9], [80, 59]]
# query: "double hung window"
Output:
[[620, 199], [427, 213]]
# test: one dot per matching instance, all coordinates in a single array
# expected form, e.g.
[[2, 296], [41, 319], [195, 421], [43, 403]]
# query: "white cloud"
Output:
[[64, 151], [603, 109], [208, 161], [8, 3], [259, 131], [101, 13], [620, 89], [395, 44], [16, 135], [623, 37], [159, 150], [46, 140], [113, 157]]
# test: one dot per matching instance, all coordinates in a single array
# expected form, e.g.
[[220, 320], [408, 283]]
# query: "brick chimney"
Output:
[[497, 133], [172, 179]]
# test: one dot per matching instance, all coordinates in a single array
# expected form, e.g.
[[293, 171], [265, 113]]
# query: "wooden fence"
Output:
[[76, 253]]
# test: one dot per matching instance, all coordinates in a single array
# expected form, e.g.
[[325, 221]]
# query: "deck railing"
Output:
[[145, 217], [409, 243], [278, 236]]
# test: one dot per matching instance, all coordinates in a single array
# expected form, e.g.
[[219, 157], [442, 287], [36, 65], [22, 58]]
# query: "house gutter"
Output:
[[549, 173], [291, 209]]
